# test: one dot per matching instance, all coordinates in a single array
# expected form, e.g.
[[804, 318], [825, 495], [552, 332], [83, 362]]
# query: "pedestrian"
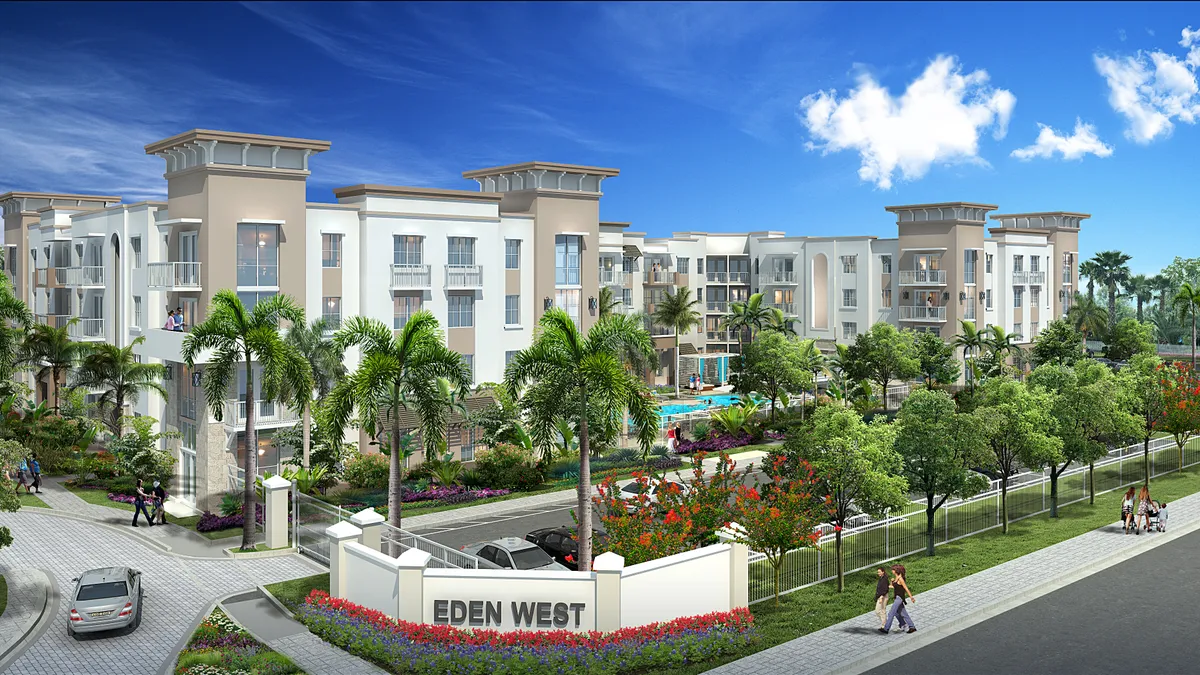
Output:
[[179, 319], [1127, 510], [881, 595], [898, 602], [170, 324], [36, 467], [1162, 517], [1143, 511], [139, 505], [671, 439], [160, 504], [23, 476]]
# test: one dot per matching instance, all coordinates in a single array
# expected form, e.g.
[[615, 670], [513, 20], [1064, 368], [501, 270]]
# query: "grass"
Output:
[[257, 547], [32, 500], [100, 498], [3, 594], [293, 592]]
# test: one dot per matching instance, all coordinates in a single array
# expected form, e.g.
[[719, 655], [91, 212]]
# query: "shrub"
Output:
[[624, 456], [659, 450], [561, 467], [471, 478], [367, 471], [701, 431], [231, 504], [666, 463], [508, 466]]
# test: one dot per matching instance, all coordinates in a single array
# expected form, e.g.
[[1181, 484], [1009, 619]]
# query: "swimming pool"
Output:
[[702, 403]]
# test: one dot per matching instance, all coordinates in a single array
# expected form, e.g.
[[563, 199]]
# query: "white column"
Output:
[[339, 533], [412, 584], [275, 519], [608, 568], [371, 524], [739, 566]]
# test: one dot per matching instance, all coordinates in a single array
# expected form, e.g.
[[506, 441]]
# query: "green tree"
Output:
[[1181, 271], [324, 358], [1017, 423], [568, 366], [1112, 270], [937, 360], [856, 464], [883, 355], [1165, 287], [777, 322], [747, 317], [971, 341], [817, 363], [1127, 338], [396, 372], [939, 446], [121, 377], [240, 337], [774, 365], [15, 320], [1087, 317], [52, 352], [1180, 386], [1187, 303], [1091, 270], [607, 302], [1141, 395], [1057, 343], [677, 311], [1142, 289], [139, 453]]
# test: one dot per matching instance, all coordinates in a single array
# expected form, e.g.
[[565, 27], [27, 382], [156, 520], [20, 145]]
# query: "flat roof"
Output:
[[421, 192], [1040, 214], [613, 223], [537, 166], [58, 195], [942, 205], [235, 137]]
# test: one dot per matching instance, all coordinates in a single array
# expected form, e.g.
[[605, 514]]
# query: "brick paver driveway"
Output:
[[177, 590]]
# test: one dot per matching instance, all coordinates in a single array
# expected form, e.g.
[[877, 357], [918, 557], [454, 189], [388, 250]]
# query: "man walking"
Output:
[[160, 504], [37, 474], [139, 505]]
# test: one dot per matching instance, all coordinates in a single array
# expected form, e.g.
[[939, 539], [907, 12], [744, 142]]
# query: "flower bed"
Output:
[[443, 496], [220, 647], [211, 522], [723, 442], [404, 647]]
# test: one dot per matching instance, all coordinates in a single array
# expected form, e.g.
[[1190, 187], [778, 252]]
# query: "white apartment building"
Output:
[[487, 262]]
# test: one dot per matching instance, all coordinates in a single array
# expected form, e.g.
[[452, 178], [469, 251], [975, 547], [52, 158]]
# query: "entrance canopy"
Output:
[[713, 368]]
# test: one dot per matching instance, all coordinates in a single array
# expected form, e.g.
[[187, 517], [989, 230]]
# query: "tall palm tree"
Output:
[[777, 323], [324, 361], [816, 363], [239, 337], [15, 320], [587, 369], [678, 312], [1112, 270], [1165, 289], [971, 340], [1002, 344], [1141, 288], [1089, 269], [608, 302], [1187, 301], [117, 372], [1087, 317], [52, 352], [749, 316], [399, 370]]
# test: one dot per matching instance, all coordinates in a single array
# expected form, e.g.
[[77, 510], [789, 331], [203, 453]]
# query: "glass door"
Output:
[[187, 478]]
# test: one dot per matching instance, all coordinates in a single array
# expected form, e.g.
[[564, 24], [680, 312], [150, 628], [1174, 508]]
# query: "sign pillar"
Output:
[[371, 523], [339, 533], [411, 565], [608, 568]]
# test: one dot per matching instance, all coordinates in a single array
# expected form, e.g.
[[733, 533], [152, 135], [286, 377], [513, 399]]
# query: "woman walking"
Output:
[[139, 505], [898, 602], [1143, 511], [1127, 509], [671, 439]]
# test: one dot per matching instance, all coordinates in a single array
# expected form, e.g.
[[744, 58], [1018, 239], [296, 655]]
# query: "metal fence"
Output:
[[868, 543]]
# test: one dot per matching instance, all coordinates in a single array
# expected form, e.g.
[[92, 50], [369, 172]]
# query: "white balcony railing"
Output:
[[613, 277], [87, 330], [1029, 278], [717, 336], [172, 275], [660, 277], [718, 306], [717, 278], [60, 276], [53, 320], [739, 277], [464, 276], [777, 277], [266, 413], [788, 308], [85, 277], [911, 313], [411, 276], [922, 277]]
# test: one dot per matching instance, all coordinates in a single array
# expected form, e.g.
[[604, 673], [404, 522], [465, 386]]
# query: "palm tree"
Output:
[[52, 352], [777, 323], [1187, 301], [1002, 344], [324, 361], [971, 340], [399, 369], [238, 336], [568, 366], [1112, 270], [608, 302], [1164, 287], [747, 316], [816, 362], [1087, 317], [117, 372], [1139, 286], [15, 320], [1091, 270], [677, 311]]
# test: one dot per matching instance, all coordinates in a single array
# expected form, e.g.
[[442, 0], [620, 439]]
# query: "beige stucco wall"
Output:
[[556, 213]]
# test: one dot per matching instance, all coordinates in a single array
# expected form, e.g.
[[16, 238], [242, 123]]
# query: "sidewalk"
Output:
[[855, 646], [27, 595]]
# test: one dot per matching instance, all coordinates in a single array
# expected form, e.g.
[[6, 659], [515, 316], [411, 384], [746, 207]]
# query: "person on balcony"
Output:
[[170, 324], [179, 319]]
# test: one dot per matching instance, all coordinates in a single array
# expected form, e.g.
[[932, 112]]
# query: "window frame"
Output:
[[512, 254], [849, 294], [331, 250], [458, 306], [512, 310]]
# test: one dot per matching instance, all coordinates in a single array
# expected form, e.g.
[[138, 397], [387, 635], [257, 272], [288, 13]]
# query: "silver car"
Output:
[[109, 598], [630, 491], [511, 553]]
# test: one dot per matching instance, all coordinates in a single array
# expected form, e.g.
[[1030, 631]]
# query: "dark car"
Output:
[[560, 543]]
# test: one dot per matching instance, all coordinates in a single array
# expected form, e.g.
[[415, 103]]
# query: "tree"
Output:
[[1180, 418], [817, 363], [749, 316], [607, 302], [677, 311], [708, 498], [138, 453], [772, 365], [15, 320], [567, 366], [1057, 343], [240, 337], [52, 352], [936, 358], [1017, 423], [12, 454], [1181, 271], [856, 464], [971, 340], [938, 447], [122, 378], [1142, 289], [1127, 338], [777, 322], [396, 372], [1141, 395], [1165, 287], [1091, 270], [1087, 317], [324, 359], [1112, 270], [1187, 302], [883, 355]]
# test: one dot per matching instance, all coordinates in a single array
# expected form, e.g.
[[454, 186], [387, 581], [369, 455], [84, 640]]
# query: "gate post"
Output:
[[370, 523], [276, 511]]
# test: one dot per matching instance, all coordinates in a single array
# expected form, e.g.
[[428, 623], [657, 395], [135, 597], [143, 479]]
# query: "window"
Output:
[[849, 264], [628, 264], [257, 256], [189, 390], [467, 450], [251, 298], [331, 250], [187, 435], [885, 264], [469, 361], [886, 301], [682, 265], [1017, 331], [969, 258], [408, 250], [331, 312], [988, 299], [135, 243], [1033, 329], [849, 329], [699, 265], [1018, 263], [1035, 294], [403, 307], [566, 260], [1068, 264], [137, 312], [1034, 263], [508, 357], [512, 310], [1017, 293], [462, 311], [969, 309], [568, 301], [988, 263], [512, 254], [849, 297], [461, 251], [627, 297]]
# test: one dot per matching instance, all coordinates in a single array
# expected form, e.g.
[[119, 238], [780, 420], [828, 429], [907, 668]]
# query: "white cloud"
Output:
[[1153, 89], [1083, 142], [938, 119]]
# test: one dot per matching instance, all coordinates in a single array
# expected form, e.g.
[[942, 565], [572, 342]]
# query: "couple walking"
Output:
[[158, 496], [29, 474], [899, 591]]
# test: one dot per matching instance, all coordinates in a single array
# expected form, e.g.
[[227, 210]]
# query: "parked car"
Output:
[[104, 599], [511, 553], [560, 543], [630, 491]]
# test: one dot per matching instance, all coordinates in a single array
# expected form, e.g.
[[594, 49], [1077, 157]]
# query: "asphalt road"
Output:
[[1139, 616]]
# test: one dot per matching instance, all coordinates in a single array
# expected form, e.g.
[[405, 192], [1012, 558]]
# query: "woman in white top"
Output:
[[1127, 509]]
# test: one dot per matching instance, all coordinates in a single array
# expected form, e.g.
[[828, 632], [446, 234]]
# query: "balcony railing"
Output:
[[777, 277], [90, 276], [717, 278], [411, 276], [912, 313], [788, 308], [87, 330], [266, 413], [464, 276], [613, 277], [660, 277], [717, 336], [60, 276], [172, 275], [53, 320], [1029, 278], [739, 277], [922, 277], [718, 306], [39, 276]]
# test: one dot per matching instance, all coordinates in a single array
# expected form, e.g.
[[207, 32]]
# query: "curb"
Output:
[[168, 667], [269, 553], [927, 637], [14, 651]]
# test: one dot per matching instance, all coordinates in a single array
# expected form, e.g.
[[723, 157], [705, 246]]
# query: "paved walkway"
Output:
[[855, 646], [27, 594], [318, 657]]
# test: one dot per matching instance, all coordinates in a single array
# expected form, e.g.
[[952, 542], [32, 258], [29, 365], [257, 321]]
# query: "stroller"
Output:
[[1154, 524]]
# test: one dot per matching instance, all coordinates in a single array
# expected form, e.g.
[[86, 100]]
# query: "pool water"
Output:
[[703, 402]]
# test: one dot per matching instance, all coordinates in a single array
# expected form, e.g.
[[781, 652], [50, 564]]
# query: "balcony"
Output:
[[53, 320], [1029, 278], [39, 276], [60, 276], [719, 336], [911, 313], [412, 276], [660, 278], [464, 276], [718, 278], [788, 308], [613, 277], [87, 330], [922, 277], [90, 276], [718, 306], [266, 414], [778, 278], [739, 277], [173, 276]]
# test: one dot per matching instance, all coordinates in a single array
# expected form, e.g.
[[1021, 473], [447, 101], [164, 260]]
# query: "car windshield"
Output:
[[109, 589], [530, 558], [634, 488]]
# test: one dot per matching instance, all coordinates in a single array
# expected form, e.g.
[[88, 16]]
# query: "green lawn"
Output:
[[293, 592], [32, 500], [3, 594]]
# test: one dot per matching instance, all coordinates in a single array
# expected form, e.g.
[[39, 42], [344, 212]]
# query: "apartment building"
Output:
[[488, 262]]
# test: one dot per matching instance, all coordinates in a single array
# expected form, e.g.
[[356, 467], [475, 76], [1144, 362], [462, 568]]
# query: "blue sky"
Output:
[[722, 117]]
